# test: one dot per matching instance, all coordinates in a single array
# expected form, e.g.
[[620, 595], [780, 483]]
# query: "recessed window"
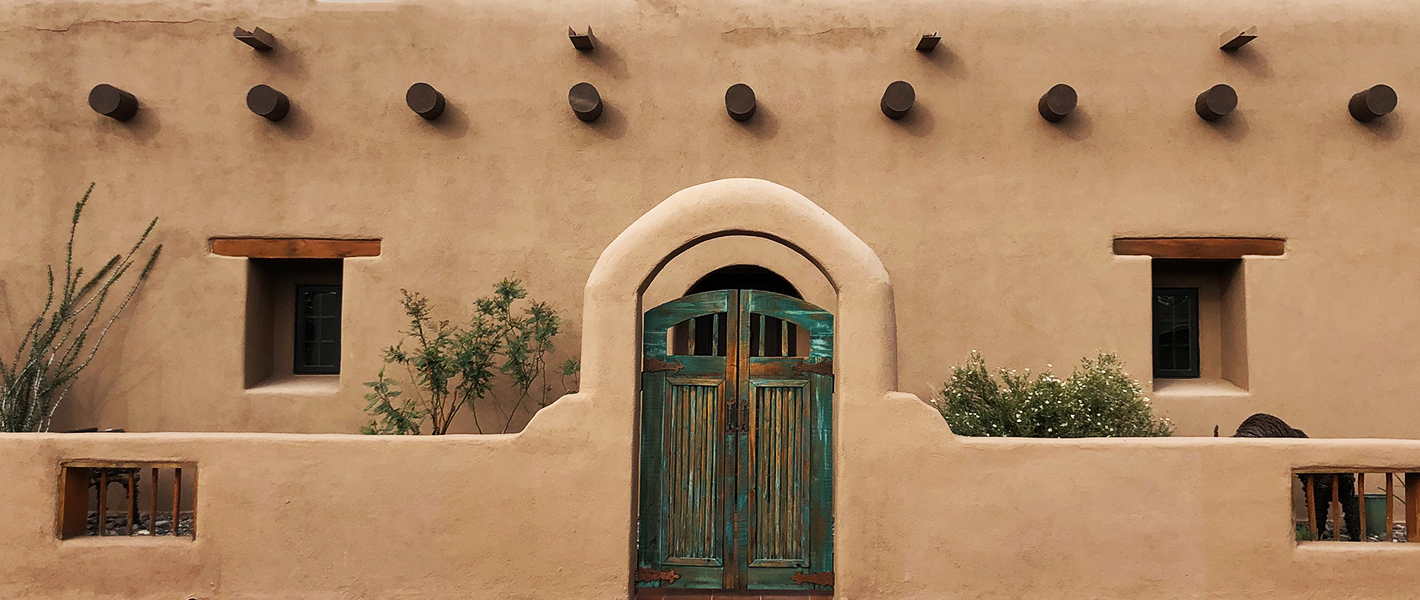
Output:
[[317, 329], [1176, 333], [1199, 323], [293, 324]]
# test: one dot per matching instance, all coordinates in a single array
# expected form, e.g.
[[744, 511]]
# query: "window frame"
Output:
[[299, 339], [1194, 347]]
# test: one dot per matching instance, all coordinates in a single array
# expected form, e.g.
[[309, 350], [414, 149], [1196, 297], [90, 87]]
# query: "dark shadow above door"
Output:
[[744, 277]]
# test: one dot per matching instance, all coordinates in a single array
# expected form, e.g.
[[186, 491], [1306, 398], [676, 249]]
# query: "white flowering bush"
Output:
[[1097, 400]]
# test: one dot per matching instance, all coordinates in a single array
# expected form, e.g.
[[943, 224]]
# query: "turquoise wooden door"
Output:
[[736, 444]]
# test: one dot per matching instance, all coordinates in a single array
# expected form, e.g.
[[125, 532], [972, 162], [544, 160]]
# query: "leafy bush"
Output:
[[58, 344], [453, 366], [1097, 400]]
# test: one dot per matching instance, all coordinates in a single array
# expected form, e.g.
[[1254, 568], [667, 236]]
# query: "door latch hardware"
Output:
[[652, 365], [824, 579], [644, 575], [824, 367]]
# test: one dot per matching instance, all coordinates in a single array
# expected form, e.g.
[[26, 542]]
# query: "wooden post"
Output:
[[153, 505], [1412, 498], [74, 503], [1389, 506], [177, 496], [1311, 509], [1336, 506], [103, 500], [194, 502], [1361, 504], [132, 498]]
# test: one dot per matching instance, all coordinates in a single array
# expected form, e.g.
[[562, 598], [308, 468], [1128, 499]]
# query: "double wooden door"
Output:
[[736, 479]]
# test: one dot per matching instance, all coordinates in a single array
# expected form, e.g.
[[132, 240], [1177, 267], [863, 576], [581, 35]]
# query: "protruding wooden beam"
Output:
[[256, 38], [1372, 103], [740, 102], [1057, 103], [425, 101], [898, 99], [1216, 102], [112, 102], [586, 101], [929, 41], [265, 247], [1236, 38], [267, 102], [582, 41]]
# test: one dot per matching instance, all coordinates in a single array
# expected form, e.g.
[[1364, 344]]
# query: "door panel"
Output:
[[736, 458], [779, 471], [686, 455], [788, 379], [691, 467]]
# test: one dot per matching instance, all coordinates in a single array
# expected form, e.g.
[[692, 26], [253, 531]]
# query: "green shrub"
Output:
[[455, 366], [1097, 400], [62, 340]]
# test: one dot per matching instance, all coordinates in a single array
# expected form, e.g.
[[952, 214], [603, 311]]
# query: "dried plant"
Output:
[[58, 345], [1098, 400], [455, 366]]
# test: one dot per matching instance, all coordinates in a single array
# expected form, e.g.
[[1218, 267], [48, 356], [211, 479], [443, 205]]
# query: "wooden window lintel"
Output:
[[1214, 248], [271, 247]]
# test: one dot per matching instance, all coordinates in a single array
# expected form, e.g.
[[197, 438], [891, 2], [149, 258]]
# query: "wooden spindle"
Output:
[[715, 326], [177, 497], [784, 338], [103, 500], [1361, 503], [1389, 506], [1412, 515], [153, 505], [763, 338], [132, 500], [1336, 506], [1311, 509]]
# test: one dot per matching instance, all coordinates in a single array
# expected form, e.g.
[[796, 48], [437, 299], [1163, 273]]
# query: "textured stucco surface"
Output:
[[547, 513], [994, 224]]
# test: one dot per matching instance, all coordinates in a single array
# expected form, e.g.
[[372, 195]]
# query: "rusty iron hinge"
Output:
[[824, 367], [652, 365], [644, 575], [824, 579]]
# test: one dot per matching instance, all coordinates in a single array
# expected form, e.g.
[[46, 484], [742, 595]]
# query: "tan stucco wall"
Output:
[[544, 515], [994, 225], [548, 513]]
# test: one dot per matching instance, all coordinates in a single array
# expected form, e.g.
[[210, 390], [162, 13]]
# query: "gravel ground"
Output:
[[117, 524]]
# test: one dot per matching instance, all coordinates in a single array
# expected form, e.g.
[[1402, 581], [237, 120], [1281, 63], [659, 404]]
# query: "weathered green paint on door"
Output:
[[736, 443]]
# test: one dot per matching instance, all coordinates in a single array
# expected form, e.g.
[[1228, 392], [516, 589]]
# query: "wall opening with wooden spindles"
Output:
[[1357, 505], [139, 499]]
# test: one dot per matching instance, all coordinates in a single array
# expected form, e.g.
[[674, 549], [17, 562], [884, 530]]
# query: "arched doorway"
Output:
[[736, 461]]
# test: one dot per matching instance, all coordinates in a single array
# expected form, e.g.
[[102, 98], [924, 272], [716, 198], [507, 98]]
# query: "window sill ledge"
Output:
[[298, 385], [1194, 388]]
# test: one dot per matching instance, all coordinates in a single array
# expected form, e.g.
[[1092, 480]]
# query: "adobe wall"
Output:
[[544, 516], [994, 224]]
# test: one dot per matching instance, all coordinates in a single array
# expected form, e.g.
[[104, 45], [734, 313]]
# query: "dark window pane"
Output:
[[756, 321], [317, 329], [773, 336], [705, 335], [1176, 333]]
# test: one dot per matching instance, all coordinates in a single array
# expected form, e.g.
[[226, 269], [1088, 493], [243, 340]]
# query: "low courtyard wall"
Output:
[[548, 513]]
